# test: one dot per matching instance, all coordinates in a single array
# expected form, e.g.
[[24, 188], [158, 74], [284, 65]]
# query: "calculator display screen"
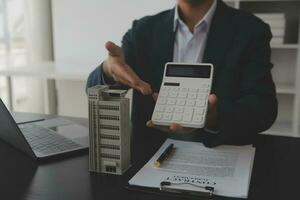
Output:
[[189, 71]]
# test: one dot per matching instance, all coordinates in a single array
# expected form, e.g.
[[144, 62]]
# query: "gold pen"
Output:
[[164, 155]]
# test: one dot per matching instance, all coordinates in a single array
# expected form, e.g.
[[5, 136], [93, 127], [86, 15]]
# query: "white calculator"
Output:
[[183, 96]]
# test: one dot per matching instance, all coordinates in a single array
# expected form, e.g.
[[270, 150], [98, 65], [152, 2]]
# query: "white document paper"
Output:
[[226, 168]]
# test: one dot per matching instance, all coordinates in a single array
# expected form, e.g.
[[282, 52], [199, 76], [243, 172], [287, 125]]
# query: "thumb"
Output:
[[155, 96], [144, 88], [212, 101], [113, 49]]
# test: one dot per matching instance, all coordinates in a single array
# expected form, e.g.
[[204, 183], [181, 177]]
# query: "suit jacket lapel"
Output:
[[219, 36], [168, 37], [163, 47]]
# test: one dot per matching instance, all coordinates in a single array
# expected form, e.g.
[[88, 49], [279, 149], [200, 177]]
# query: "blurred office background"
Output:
[[70, 32], [25, 38], [48, 48]]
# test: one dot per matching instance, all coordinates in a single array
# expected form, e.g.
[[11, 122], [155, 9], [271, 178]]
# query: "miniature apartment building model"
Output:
[[109, 129]]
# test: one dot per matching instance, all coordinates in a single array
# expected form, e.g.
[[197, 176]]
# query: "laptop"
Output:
[[42, 138]]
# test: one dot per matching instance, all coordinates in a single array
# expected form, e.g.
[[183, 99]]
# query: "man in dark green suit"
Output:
[[243, 101]]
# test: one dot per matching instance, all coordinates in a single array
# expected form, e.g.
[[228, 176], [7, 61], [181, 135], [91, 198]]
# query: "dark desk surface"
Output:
[[276, 175]]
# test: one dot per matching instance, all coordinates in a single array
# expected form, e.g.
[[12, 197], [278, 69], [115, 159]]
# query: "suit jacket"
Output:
[[238, 45]]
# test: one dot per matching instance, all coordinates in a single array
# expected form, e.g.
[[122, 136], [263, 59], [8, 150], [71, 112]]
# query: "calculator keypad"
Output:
[[186, 106]]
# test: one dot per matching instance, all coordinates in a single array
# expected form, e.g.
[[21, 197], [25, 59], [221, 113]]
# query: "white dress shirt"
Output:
[[189, 47]]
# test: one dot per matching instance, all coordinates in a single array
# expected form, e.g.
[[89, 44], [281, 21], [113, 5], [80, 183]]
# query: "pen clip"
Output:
[[164, 186]]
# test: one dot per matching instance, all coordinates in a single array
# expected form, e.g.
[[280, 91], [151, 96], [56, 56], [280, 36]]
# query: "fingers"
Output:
[[212, 100], [161, 128], [139, 85], [114, 50], [142, 86], [145, 88], [211, 119], [176, 128], [120, 71], [128, 77], [155, 96], [135, 82]]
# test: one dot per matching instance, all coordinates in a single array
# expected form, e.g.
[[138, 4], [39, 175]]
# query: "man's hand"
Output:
[[115, 66], [211, 118]]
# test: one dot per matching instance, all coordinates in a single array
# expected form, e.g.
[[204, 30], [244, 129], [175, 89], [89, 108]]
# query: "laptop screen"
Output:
[[10, 133]]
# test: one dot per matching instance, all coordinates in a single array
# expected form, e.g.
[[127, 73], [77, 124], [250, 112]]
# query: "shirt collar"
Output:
[[207, 19]]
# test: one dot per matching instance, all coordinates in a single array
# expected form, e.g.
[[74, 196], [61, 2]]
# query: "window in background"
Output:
[[14, 32], [3, 49]]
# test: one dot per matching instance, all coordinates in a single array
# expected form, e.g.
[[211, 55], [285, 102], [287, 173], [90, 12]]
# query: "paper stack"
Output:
[[277, 22], [192, 167]]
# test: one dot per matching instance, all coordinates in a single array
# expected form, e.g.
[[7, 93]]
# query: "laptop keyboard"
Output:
[[46, 141]]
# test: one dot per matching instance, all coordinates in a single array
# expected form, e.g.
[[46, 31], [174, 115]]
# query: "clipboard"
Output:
[[170, 193], [185, 172]]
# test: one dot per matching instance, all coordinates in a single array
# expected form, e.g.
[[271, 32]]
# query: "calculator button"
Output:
[[203, 90], [175, 89], [184, 89], [202, 96], [157, 116], [164, 89], [171, 101], [179, 109], [162, 101], [167, 116], [160, 108], [181, 102], [169, 109], [193, 90], [163, 93], [182, 94], [177, 117], [187, 117], [192, 95], [200, 103], [188, 110], [199, 111], [190, 102], [197, 118], [173, 94]]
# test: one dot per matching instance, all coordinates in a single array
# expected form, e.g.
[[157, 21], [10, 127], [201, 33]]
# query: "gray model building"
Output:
[[109, 127]]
